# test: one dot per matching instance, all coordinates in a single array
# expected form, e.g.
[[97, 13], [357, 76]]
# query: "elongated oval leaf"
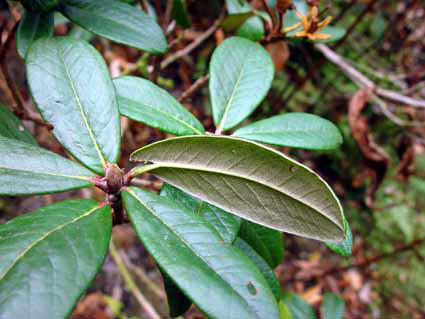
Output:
[[261, 264], [11, 127], [180, 14], [300, 130], [27, 169], [265, 241], [218, 278], [241, 73], [32, 27], [332, 307], [72, 88], [49, 257], [227, 225], [119, 22], [249, 180], [143, 101]]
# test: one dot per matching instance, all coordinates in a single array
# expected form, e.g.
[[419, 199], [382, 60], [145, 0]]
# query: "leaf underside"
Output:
[[250, 181], [11, 127], [216, 276], [49, 258]]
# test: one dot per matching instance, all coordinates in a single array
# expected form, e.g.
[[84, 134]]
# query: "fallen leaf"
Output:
[[376, 160]]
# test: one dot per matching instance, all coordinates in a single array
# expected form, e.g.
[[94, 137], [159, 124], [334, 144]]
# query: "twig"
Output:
[[270, 13], [128, 279], [18, 107], [363, 81], [187, 50], [155, 185], [199, 83]]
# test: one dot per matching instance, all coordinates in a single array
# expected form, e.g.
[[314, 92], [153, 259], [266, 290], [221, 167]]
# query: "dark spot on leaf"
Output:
[[292, 169], [251, 288]]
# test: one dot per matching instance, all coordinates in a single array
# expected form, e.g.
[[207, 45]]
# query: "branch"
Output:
[[128, 279], [362, 81], [187, 50], [199, 83]]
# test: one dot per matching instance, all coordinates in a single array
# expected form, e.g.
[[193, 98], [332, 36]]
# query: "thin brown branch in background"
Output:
[[19, 104], [270, 13], [188, 49], [144, 5], [198, 84]]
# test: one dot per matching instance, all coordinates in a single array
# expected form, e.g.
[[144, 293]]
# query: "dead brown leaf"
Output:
[[280, 53], [92, 306], [376, 160]]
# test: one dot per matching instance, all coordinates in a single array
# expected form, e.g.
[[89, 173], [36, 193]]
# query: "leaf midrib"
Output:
[[44, 236], [164, 113], [257, 181], [232, 96], [83, 115], [190, 247], [85, 178]]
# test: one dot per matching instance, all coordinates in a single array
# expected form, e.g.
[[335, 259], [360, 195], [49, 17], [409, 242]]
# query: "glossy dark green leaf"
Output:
[[27, 169], [222, 281], [332, 307], [49, 258], [248, 180], [227, 225], [265, 241], [180, 14], [235, 69], [143, 101], [344, 247], [11, 127], [178, 303], [234, 21], [72, 88], [119, 22], [252, 29], [41, 5], [298, 308], [261, 264], [33, 26], [300, 130]]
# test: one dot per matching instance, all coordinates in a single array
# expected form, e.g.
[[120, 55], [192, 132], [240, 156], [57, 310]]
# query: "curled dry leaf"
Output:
[[407, 151], [279, 52], [376, 160]]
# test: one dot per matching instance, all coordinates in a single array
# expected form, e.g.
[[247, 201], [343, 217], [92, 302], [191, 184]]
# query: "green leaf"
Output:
[[336, 33], [298, 307], [119, 22], [344, 247], [49, 258], [178, 303], [252, 29], [235, 69], [32, 27], [27, 169], [79, 33], [222, 281], [300, 130], [11, 127], [265, 241], [332, 307], [180, 15], [261, 264], [284, 311], [143, 101], [234, 21], [72, 88], [250, 181], [227, 225]]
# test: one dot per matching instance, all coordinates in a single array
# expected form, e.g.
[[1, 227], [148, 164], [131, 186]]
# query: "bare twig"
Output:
[[270, 13], [198, 84], [154, 185], [128, 279], [363, 81], [187, 50]]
